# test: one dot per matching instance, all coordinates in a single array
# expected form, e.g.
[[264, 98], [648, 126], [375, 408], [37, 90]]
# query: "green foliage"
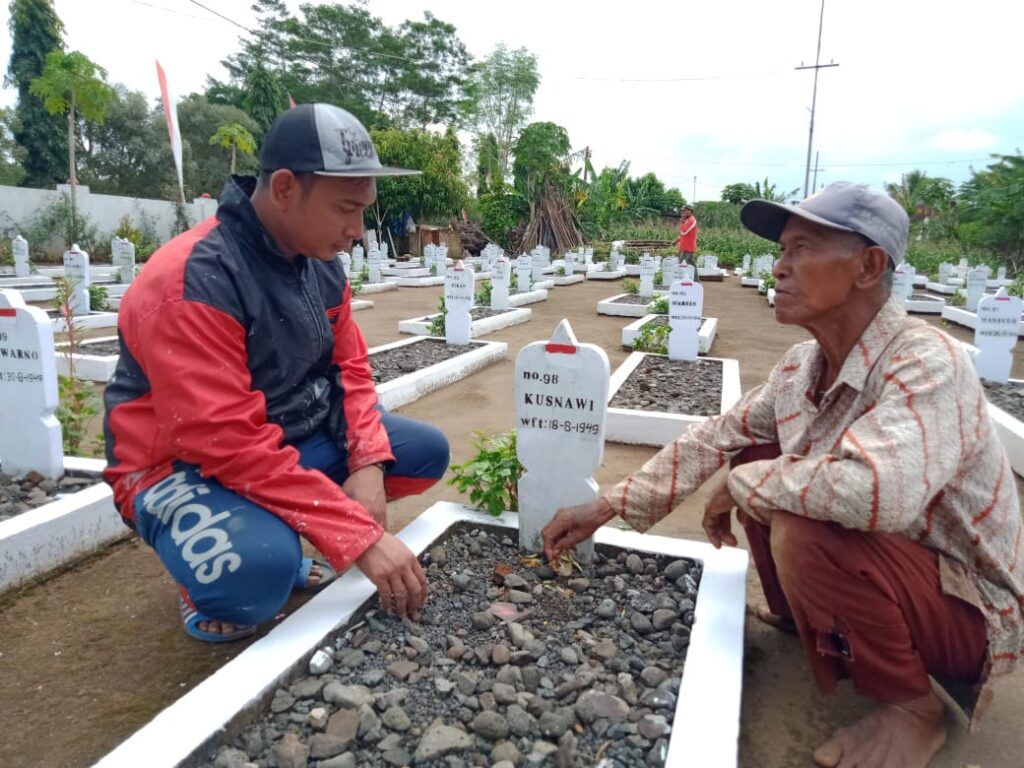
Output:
[[500, 213], [71, 81], [958, 299], [436, 326], [991, 210], [652, 337], [206, 167], [614, 202], [76, 403], [263, 97], [730, 245], [738, 193], [1016, 288], [233, 136], [540, 156], [483, 294], [659, 306], [12, 170], [488, 167], [716, 215], [97, 298], [35, 31], [55, 221], [500, 98], [560, 271], [630, 285], [922, 196], [769, 282], [492, 476], [143, 237]]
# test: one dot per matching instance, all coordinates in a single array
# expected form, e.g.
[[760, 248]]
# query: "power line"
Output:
[[830, 165], [733, 76], [222, 16]]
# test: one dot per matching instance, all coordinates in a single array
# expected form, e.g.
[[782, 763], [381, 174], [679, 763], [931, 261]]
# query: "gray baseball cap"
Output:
[[841, 205], [325, 140]]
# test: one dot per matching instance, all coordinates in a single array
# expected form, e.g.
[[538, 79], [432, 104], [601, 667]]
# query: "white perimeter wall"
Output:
[[20, 205]]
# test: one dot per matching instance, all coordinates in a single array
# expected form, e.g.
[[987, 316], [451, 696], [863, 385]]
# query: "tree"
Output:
[[12, 171], [488, 170], [35, 31], [771, 192], [72, 84], [264, 97], [991, 209], [738, 193], [206, 167], [234, 137], [501, 89], [128, 154], [922, 196], [540, 156]]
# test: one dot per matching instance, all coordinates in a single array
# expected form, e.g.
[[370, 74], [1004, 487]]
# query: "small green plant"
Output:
[[356, 286], [98, 298], [436, 327], [364, 273], [1016, 288], [659, 276], [631, 286], [483, 294], [958, 299], [652, 337], [492, 476], [560, 271], [769, 282], [433, 270], [659, 306], [143, 237], [76, 403]]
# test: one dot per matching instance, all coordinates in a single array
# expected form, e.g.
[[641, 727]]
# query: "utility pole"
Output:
[[814, 97], [814, 184], [694, 198]]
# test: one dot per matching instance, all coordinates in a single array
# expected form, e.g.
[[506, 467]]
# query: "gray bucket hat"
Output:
[[841, 205]]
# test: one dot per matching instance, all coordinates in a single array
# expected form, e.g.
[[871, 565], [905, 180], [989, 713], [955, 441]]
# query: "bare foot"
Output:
[[903, 735], [782, 623], [217, 627]]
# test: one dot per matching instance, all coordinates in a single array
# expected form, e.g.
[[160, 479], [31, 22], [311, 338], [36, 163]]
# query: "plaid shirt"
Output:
[[901, 443]]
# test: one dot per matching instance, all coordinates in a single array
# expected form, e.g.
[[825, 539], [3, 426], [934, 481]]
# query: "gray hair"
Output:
[[890, 271]]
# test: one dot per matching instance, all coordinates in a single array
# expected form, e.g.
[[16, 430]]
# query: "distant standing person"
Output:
[[688, 239]]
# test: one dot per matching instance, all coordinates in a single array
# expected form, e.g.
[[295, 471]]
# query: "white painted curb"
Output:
[[943, 288], [1011, 434], [611, 307], [48, 537], [358, 304], [705, 730], [420, 326], [368, 288], [88, 322], [925, 306], [658, 428], [418, 282], [528, 297], [572, 279], [413, 386], [750, 282], [969, 319], [89, 367], [606, 275], [705, 336]]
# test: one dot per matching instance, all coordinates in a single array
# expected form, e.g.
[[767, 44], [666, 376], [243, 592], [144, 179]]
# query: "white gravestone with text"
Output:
[[524, 271], [375, 261], [976, 283], [123, 257], [459, 284], [19, 249], [536, 266], [346, 263], [746, 263], [901, 284], [669, 268], [358, 257], [30, 435], [561, 402], [570, 263], [501, 271], [945, 271], [995, 335], [685, 305], [686, 272], [648, 269], [76, 271], [1001, 273]]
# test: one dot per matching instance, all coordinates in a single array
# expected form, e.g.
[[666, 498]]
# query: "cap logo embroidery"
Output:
[[354, 146]]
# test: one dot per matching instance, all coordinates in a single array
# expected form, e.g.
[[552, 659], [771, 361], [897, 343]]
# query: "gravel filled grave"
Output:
[[31, 490], [479, 313], [672, 386], [1008, 396], [392, 363], [634, 299], [508, 664], [926, 297], [99, 349], [663, 320]]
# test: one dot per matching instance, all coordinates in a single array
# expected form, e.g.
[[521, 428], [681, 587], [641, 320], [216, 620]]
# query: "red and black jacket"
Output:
[[230, 354]]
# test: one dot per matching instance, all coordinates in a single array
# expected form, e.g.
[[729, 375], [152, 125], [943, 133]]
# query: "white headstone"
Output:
[[686, 272], [524, 270], [384, 249], [501, 272], [570, 263], [459, 285], [76, 270], [588, 255], [358, 256], [123, 257], [669, 269], [561, 401], [976, 282], [19, 248], [685, 305], [962, 269], [346, 263], [902, 283], [995, 335], [945, 271], [711, 262], [536, 266], [648, 268], [375, 261], [370, 238], [746, 263], [30, 436], [1001, 273], [986, 270]]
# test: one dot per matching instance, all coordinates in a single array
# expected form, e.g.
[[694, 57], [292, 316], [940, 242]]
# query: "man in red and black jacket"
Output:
[[243, 411]]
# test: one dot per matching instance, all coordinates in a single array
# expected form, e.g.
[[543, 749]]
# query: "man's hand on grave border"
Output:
[[397, 575], [572, 525], [366, 486], [717, 520]]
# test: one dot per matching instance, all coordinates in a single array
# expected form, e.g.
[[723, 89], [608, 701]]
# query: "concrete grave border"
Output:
[[89, 367], [969, 319], [368, 288], [705, 336], [705, 729], [925, 306], [43, 539], [358, 304], [413, 386], [420, 326], [572, 279], [417, 282], [944, 288], [88, 322], [610, 307], [1010, 431], [625, 425], [531, 296], [750, 282], [601, 275]]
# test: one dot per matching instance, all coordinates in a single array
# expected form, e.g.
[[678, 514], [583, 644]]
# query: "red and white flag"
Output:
[[171, 112], [291, 102]]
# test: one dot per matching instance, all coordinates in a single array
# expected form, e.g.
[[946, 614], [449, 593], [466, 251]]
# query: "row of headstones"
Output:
[[963, 270], [122, 254], [759, 266]]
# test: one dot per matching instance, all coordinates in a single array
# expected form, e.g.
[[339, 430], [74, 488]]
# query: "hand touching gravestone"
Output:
[[19, 249], [648, 269], [995, 335], [30, 435], [459, 284], [524, 270], [76, 271], [976, 283], [561, 401], [685, 305], [501, 271]]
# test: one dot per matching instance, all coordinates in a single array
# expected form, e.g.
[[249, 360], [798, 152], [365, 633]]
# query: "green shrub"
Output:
[[630, 286], [54, 221], [492, 476], [659, 306], [958, 299], [436, 327], [652, 337], [500, 212], [483, 294], [142, 237], [97, 298], [715, 214]]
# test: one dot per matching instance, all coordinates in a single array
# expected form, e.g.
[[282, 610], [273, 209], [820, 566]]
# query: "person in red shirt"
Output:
[[687, 235]]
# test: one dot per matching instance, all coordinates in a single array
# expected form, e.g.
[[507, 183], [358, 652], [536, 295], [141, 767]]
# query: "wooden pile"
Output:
[[553, 224], [472, 237]]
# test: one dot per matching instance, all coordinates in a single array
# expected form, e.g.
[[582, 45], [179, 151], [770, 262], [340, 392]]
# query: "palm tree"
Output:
[[771, 192], [233, 136], [72, 84]]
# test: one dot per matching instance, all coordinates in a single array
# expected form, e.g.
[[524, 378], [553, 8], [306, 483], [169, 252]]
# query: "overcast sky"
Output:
[[696, 89]]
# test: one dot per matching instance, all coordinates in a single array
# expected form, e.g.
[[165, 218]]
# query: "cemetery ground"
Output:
[[92, 654]]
